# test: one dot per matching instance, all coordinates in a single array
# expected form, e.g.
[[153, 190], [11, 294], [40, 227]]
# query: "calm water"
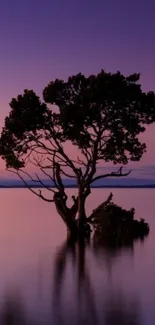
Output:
[[49, 283]]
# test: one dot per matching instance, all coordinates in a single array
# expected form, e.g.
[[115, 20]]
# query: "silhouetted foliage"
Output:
[[102, 115], [115, 226]]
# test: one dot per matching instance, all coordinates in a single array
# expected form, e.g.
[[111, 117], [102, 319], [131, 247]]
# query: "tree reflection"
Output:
[[13, 311], [116, 309], [74, 254], [108, 251], [77, 296], [122, 311]]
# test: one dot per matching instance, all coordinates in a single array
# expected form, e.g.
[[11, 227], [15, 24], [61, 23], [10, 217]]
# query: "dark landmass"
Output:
[[124, 182], [74, 186]]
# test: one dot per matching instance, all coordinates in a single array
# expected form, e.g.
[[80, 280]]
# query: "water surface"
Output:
[[54, 284]]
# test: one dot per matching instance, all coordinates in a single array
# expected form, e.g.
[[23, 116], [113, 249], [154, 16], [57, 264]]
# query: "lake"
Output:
[[47, 282]]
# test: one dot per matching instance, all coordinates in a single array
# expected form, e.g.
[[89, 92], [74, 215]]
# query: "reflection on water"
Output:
[[78, 303], [13, 311], [121, 310], [45, 282], [112, 307]]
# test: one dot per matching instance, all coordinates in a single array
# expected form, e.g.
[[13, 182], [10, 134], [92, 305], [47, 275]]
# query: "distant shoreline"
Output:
[[74, 186]]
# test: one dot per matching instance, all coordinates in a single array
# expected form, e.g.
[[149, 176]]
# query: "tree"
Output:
[[101, 115]]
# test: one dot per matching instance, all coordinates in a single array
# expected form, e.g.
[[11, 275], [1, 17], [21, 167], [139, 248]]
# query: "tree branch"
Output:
[[44, 185], [113, 174], [94, 155], [50, 177], [101, 206], [67, 175], [58, 176], [69, 161], [29, 187]]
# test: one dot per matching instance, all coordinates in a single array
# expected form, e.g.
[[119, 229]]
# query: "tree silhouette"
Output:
[[101, 115]]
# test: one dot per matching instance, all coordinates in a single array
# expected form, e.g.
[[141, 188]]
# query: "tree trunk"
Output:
[[67, 216], [74, 227], [81, 211]]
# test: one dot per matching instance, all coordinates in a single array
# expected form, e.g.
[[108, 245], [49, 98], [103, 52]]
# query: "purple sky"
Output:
[[42, 40]]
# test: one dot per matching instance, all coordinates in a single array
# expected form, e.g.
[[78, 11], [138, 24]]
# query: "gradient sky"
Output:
[[42, 40]]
